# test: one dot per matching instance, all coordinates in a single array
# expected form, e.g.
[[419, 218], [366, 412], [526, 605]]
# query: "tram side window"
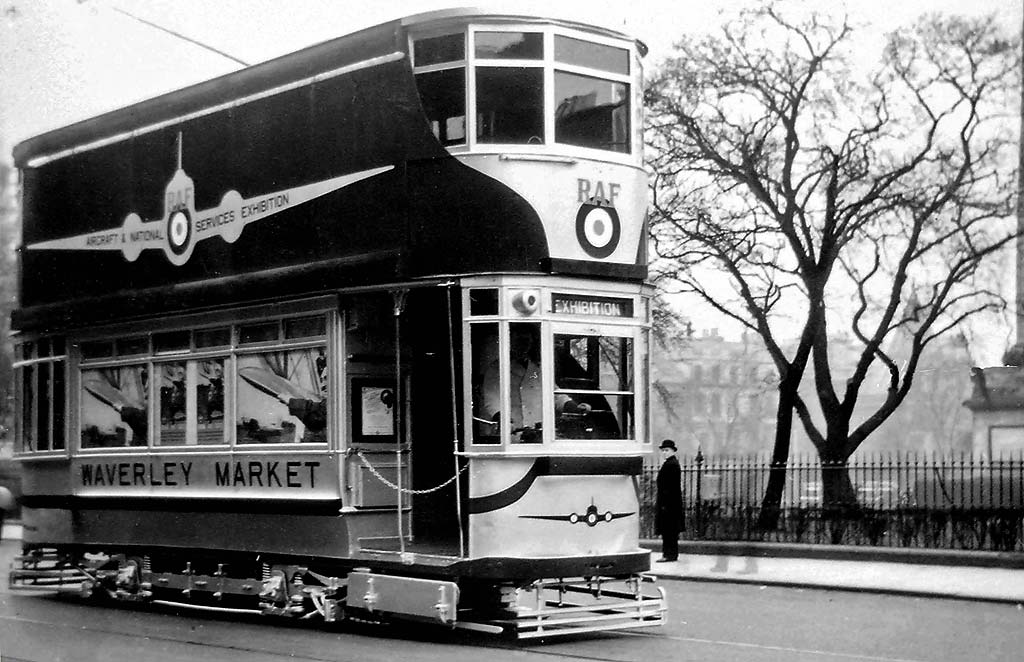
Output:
[[441, 81], [591, 111], [486, 406], [191, 402], [443, 94], [28, 406], [178, 388], [596, 371], [115, 406], [439, 50], [39, 374], [282, 396]]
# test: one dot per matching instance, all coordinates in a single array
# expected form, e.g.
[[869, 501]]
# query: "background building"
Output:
[[721, 395]]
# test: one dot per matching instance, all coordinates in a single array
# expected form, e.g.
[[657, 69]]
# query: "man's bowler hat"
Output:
[[668, 443]]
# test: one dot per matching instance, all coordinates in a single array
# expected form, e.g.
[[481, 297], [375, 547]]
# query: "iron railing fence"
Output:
[[902, 500]]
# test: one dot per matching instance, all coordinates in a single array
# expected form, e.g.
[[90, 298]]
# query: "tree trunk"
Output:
[[771, 503], [839, 505]]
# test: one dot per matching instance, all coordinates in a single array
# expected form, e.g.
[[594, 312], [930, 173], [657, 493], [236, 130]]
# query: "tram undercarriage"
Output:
[[524, 609]]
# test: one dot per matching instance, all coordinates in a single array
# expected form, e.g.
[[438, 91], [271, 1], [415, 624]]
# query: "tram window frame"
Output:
[[41, 364], [193, 431], [616, 135], [553, 65], [221, 344], [566, 63], [438, 80], [530, 39], [574, 47], [497, 348], [515, 84], [123, 434], [523, 80], [486, 431], [633, 397], [483, 301], [517, 115], [619, 140], [313, 408]]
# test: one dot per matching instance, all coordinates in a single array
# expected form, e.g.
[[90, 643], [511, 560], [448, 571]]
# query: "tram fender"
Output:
[[408, 596]]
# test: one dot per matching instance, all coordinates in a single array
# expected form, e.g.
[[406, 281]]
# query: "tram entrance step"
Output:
[[426, 547]]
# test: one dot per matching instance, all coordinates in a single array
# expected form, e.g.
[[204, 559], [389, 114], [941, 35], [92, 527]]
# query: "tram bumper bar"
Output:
[[559, 608], [45, 572]]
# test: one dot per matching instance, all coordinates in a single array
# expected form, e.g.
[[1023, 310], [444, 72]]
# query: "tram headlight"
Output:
[[526, 302]]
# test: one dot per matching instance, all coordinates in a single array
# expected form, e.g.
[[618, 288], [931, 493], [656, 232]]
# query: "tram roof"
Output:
[[364, 44], [507, 12]]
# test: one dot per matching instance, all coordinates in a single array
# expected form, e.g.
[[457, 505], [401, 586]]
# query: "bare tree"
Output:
[[797, 193]]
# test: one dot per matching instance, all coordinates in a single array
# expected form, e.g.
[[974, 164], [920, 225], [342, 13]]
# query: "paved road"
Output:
[[707, 622]]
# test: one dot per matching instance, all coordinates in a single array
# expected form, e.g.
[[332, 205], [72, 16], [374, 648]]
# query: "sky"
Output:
[[66, 60], [62, 61]]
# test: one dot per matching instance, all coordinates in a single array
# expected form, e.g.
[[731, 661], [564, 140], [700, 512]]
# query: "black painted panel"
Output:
[[438, 215]]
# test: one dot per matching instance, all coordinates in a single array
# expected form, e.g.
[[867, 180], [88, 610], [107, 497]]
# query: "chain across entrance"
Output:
[[406, 490]]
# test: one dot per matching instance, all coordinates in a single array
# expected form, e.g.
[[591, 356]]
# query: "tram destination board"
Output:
[[574, 304]]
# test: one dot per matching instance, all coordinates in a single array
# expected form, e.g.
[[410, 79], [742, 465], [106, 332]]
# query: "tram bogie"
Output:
[[394, 366]]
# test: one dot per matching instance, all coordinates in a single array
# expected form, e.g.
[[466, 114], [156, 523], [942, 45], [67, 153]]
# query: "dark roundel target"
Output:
[[179, 231], [598, 229]]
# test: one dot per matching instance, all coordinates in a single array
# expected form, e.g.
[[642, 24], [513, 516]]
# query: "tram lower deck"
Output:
[[488, 453]]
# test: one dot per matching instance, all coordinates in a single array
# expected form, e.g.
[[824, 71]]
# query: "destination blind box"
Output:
[[573, 304]]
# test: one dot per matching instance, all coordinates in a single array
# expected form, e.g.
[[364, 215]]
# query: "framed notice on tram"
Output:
[[373, 410]]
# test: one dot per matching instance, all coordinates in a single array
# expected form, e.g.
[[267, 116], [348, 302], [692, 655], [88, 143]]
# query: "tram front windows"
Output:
[[597, 373], [525, 397], [510, 105], [526, 413], [525, 391]]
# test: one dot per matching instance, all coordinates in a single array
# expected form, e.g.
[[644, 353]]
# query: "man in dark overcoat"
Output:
[[668, 514]]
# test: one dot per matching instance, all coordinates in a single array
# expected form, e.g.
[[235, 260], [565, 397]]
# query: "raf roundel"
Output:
[[179, 231], [598, 229]]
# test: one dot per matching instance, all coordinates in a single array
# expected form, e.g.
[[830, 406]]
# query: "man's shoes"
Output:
[[665, 560]]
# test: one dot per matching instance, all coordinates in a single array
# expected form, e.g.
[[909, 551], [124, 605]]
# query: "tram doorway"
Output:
[[404, 336], [434, 391]]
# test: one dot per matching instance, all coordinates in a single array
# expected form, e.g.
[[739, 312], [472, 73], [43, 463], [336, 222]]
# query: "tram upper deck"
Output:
[[450, 143]]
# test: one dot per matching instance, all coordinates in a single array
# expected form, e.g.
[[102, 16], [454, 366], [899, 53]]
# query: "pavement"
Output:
[[986, 576], [10, 531]]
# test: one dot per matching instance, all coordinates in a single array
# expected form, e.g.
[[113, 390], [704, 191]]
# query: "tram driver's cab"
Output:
[[553, 365]]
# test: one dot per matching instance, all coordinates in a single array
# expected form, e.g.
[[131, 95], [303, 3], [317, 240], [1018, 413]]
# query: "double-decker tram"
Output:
[[361, 332]]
